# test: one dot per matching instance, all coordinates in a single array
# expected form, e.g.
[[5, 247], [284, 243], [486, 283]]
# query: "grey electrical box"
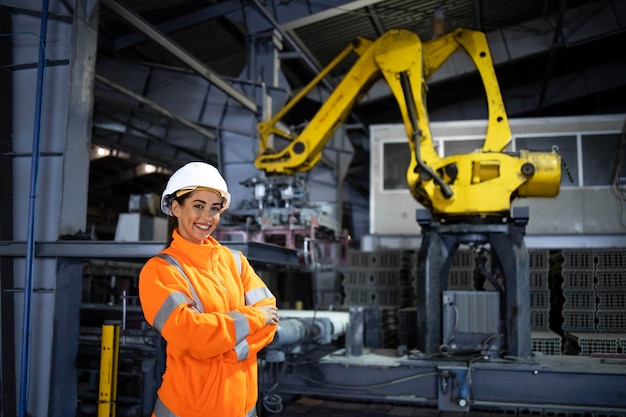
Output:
[[471, 322]]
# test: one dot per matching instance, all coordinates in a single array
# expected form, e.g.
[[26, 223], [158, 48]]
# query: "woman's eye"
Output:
[[199, 206], [215, 208]]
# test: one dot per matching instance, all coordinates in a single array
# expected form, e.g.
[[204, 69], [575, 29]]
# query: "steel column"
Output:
[[440, 242]]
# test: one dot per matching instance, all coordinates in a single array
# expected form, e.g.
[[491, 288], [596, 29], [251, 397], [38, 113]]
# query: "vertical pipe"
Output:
[[290, 41], [30, 242]]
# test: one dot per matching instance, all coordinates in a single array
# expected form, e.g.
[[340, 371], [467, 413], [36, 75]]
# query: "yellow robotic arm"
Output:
[[305, 150], [482, 183]]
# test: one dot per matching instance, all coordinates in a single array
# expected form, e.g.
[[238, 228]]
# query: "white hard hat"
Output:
[[191, 176]]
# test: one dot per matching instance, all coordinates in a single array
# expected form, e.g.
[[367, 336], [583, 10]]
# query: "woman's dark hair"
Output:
[[172, 221]]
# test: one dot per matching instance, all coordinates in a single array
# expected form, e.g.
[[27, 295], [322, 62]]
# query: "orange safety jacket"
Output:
[[212, 329]]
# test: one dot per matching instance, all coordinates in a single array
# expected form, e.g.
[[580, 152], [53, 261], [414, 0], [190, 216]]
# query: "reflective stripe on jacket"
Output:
[[212, 331], [160, 410]]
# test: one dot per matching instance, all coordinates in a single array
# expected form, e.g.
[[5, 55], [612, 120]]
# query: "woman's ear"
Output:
[[175, 208]]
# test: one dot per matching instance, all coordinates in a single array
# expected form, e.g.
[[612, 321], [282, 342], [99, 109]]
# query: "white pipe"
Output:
[[339, 319]]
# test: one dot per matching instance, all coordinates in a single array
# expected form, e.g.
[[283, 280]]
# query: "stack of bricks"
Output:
[[610, 278], [543, 339], [539, 269], [594, 290], [381, 278], [579, 292], [462, 271], [382, 282]]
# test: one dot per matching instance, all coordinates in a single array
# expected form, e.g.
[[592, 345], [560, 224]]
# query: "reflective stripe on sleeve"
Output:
[[242, 330], [254, 296], [160, 409], [167, 308], [242, 350], [251, 413]]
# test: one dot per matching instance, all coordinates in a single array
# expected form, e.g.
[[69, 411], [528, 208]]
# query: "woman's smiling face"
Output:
[[198, 215]]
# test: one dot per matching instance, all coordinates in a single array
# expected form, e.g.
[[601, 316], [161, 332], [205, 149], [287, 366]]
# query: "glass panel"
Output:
[[396, 160], [458, 147], [600, 153], [567, 148]]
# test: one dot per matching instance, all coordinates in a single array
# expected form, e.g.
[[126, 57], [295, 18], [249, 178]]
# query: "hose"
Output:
[[273, 403], [30, 241]]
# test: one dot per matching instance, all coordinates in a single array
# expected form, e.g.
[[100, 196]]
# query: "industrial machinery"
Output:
[[482, 183], [279, 212], [468, 201]]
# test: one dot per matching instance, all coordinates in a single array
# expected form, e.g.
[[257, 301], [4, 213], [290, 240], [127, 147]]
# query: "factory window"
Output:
[[459, 147], [396, 160], [567, 149], [600, 159]]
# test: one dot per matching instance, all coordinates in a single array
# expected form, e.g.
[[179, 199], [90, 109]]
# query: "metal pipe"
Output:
[[30, 241]]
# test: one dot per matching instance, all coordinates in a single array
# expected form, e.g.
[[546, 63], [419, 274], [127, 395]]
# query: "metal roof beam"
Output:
[[336, 10], [556, 40], [522, 100], [163, 111], [205, 14], [509, 45], [121, 177], [376, 22], [158, 152], [138, 23]]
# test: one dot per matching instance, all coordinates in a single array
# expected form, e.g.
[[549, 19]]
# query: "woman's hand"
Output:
[[271, 314]]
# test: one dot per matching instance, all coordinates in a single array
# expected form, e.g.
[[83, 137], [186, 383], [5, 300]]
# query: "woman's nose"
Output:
[[211, 213]]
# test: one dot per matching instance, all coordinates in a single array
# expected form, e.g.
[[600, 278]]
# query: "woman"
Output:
[[212, 309]]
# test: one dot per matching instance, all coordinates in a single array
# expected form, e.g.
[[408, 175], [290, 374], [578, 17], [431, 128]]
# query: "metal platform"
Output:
[[257, 253], [317, 407], [541, 385]]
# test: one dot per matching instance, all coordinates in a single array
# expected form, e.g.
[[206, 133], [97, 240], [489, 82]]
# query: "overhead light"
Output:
[[149, 168], [98, 152]]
